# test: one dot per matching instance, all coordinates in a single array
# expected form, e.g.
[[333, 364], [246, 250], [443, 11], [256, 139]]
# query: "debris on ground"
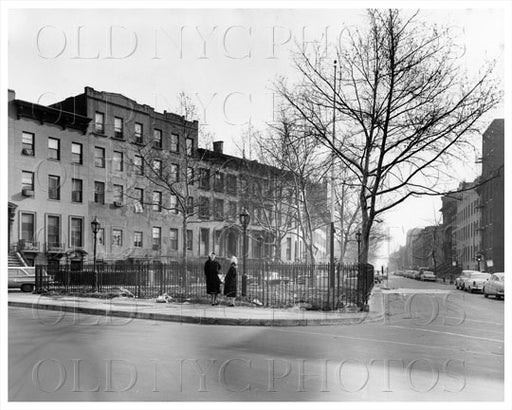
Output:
[[165, 298]]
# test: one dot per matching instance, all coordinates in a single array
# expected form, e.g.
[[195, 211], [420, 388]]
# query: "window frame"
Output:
[[174, 143], [56, 157], [99, 161], [56, 188], [71, 219], [80, 155], [73, 190], [174, 242], [118, 162], [139, 243], [96, 185], [101, 129], [28, 147]]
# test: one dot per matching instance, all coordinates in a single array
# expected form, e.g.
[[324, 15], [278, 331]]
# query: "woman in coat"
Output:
[[230, 281], [211, 271]]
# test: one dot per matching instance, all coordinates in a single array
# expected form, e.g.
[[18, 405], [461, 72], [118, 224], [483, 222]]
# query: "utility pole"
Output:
[[331, 273]]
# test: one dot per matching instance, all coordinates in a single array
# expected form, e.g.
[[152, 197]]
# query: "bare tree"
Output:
[[405, 108], [291, 148]]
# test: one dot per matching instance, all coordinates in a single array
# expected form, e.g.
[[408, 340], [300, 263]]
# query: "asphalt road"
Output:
[[436, 344]]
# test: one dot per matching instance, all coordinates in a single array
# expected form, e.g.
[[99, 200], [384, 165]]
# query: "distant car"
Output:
[[459, 282], [476, 281], [428, 275], [495, 286], [273, 278], [415, 274], [24, 278]]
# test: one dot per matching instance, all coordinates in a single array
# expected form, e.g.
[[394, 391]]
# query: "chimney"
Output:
[[217, 146]]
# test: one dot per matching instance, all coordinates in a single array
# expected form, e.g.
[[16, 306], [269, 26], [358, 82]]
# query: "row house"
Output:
[[141, 174]]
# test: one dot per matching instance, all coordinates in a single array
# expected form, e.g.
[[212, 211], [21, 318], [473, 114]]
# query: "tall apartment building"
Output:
[[492, 196], [141, 174], [466, 234]]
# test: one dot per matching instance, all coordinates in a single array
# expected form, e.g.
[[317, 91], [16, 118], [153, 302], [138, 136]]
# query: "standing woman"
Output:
[[230, 281], [211, 271]]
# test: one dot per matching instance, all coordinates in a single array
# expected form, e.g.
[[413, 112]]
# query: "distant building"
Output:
[[448, 244], [467, 227], [492, 197]]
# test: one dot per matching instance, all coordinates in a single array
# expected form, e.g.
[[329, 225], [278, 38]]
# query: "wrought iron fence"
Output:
[[266, 283]]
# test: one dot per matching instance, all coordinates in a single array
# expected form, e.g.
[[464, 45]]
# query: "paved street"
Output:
[[436, 344]]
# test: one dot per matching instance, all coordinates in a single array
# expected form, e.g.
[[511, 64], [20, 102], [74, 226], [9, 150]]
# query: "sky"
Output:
[[225, 59]]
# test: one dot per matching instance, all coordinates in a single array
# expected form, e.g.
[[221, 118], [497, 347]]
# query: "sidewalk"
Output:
[[195, 313]]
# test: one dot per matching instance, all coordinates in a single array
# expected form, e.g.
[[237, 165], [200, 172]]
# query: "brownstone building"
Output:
[[141, 174]]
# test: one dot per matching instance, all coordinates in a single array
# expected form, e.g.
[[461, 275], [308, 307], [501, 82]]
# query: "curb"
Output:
[[366, 317]]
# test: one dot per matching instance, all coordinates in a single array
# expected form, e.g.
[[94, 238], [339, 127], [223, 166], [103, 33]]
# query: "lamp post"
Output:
[[95, 226], [245, 218], [358, 238]]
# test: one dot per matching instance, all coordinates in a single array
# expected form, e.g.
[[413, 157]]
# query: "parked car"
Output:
[[475, 282], [459, 282], [415, 274], [428, 275], [495, 286], [273, 278], [24, 278]]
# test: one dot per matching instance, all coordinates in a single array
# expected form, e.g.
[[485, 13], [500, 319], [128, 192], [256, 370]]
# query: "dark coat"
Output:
[[211, 271], [230, 282]]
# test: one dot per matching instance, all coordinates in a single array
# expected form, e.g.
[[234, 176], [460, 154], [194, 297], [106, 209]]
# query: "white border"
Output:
[[461, 4]]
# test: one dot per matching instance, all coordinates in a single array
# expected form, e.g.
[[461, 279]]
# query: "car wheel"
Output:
[[486, 295], [27, 287]]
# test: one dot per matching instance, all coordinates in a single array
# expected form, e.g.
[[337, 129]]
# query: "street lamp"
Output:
[[358, 238], [95, 226], [245, 218]]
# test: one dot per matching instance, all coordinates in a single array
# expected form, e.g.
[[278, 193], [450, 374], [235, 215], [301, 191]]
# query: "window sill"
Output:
[[99, 134], [118, 138]]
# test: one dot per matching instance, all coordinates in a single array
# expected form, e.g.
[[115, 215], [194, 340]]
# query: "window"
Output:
[[204, 244], [53, 148], [156, 239], [157, 138], [190, 176], [231, 184], [138, 164], [53, 187], [118, 193], [139, 139], [174, 144], [204, 207], [99, 122], [76, 153], [76, 190], [53, 229], [190, 239], [174, 239], [190, 205], [190, 147], [174, 203], [118, 127], [289, 249], [76, 236], [157, 167], [218, 209], [204, 178], [137, 239], [27, 143], [27, 180], [27, 227], [117, 161], [99, 157], [218, 182], [175, 173], [117, 237], [232, 211], [157, 201], [99, 192], [139, 199]]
